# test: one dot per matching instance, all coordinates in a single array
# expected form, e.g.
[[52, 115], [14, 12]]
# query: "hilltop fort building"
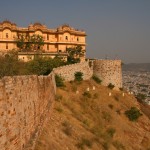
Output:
[[26, 102], [56, 41]]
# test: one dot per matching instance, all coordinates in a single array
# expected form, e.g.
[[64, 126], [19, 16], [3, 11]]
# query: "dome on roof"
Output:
[[6, 21], [65, 25], [37, 24], [8, 24]]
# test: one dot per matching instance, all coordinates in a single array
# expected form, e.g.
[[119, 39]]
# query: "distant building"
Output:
[[55, 40]]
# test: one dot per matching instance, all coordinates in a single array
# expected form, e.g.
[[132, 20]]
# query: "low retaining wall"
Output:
[[67, 72]]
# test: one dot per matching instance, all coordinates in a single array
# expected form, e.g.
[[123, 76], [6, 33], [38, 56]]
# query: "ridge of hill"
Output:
[[94, 120], [136, 67]]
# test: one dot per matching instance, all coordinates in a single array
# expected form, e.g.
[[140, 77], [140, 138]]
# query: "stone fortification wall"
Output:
[[109, 71], [26, 101], [25, 104], [67, 72]]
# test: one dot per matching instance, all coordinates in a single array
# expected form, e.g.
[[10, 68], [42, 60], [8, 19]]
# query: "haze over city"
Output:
[[116, 29]]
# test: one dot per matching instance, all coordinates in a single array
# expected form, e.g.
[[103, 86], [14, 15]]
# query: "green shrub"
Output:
[[43, 66], [59, 109], [133, 114], [87, 94], [67, 128], [58, 97], [106, 146], [97, 131], [95, 96], [111, 132], [106, 116], [110, 86], [74, 88], [84, 142], [86, 123], [59, 81], [118, 145], [96, 79], [141, 97], [116, 98], [78, 76]]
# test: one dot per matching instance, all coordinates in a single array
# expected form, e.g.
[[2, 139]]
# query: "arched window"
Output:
[[6, 35], [67, 38]]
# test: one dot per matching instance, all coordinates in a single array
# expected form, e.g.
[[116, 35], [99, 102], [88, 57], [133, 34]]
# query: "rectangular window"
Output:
[[47, 47], [6, 45], [47, 37]]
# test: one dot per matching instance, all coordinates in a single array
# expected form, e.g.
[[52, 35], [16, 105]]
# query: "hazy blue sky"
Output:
[[116, 28]]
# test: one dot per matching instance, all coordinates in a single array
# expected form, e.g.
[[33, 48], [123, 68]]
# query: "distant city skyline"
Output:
[[116, 29]]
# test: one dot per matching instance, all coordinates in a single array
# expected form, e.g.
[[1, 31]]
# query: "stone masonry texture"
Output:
[[67, 72], [109, 71], [25, 103]]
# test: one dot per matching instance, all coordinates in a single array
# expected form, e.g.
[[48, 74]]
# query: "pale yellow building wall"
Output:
[[62, 48], [0, 35], [54, 39], [6, 31], [3, 46], [83, 47], [11, 35], [25, 58], [52, 48], [44, 36], [38, 33], [81, 39], [30, 34], [66, 37], [60, 37], [14, 35]]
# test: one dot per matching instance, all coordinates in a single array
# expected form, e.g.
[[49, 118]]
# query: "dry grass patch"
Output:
[[93, 120]]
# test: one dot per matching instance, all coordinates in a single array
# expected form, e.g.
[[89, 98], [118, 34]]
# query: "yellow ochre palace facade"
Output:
[[56, 41]]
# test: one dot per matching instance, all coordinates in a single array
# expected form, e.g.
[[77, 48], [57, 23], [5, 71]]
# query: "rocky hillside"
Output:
[[94, 120]]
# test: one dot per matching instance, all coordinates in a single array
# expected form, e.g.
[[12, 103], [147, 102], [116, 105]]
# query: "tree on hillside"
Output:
[[21, 42], [141, 97], [10, 65], [36, 41], [30, 43], [43, 66], [75, 54]]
